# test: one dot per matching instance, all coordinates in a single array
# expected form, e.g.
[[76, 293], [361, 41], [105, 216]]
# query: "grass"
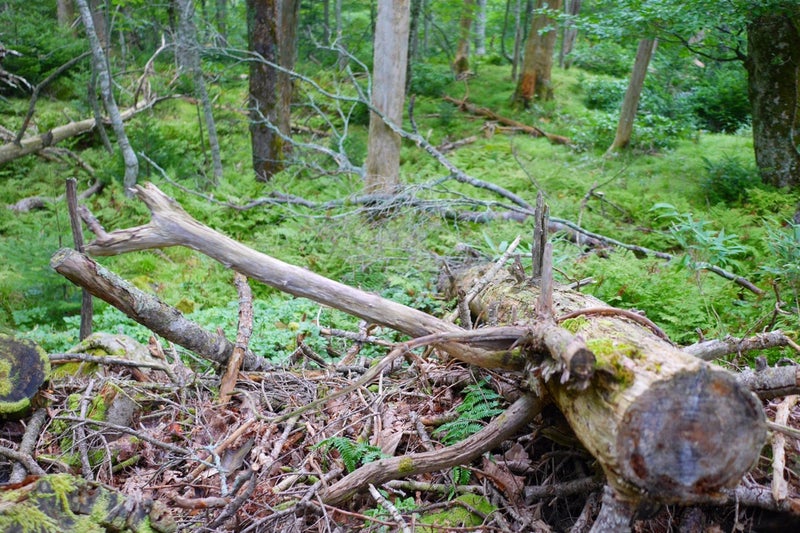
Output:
[[399, 256]]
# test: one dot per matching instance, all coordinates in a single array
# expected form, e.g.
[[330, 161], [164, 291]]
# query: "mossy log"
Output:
[[24, 366], [665, 426]]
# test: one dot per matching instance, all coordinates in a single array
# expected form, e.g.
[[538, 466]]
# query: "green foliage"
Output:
[[703, 245], [721, 101], [605, 94], [604, 57], [729, 180], [430, 80], [783, 262], [353, 454], [480, 402]]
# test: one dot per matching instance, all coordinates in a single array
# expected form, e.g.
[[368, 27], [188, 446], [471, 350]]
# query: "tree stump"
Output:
[[24, 366]]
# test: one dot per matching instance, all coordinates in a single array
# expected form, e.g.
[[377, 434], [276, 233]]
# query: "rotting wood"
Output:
[[663, 424]]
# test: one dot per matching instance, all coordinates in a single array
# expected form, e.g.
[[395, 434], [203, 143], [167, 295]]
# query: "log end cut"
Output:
[[688, 437]]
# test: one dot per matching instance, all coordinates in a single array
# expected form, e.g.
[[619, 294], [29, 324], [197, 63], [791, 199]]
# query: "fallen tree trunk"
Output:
[[663, 424], [30, 145], [172, 226]]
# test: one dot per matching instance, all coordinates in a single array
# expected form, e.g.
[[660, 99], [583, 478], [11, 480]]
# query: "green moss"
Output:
[[406, 466], [610, 357], [573, 325]]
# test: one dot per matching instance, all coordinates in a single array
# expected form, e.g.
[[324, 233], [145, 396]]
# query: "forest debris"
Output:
[[714, 349], [780, 488], [245, 329], [771, 382]]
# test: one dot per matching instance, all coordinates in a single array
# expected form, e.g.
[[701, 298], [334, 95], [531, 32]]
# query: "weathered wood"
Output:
[[664, 425], [172, 226], [145, 308]]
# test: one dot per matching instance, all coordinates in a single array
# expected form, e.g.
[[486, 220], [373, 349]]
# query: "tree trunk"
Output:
[[271, 34], [461, 62], [518, 38], [534, 80], [573, 8], [188, 57], [100, 66], [630, 103], [388, 95], [221, 20], [413, 40], [773, 67], [480, 29]]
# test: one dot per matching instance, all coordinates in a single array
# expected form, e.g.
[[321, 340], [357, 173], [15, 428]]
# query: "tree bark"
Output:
[[573, 8], [189, 60], [480, 29], [388, 95], [534, 80], [100, 65], [630, 103], [461, 62], [773, 67], [271, 34]]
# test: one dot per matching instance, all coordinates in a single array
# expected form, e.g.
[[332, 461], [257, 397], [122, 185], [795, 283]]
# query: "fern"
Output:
[[480, 402], [353, 454]]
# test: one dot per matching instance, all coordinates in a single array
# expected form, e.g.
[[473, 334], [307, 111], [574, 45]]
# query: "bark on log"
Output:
[[172, 226], [664, 425]]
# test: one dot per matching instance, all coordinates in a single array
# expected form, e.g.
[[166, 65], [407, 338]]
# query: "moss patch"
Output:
[[612, 357]]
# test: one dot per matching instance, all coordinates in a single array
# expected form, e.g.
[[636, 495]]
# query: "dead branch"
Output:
[[245, 329], [488, 113], [145, 308], [771, 382], [714, 349], [501, 428], [29, 145], [38, 202], [172, 226]]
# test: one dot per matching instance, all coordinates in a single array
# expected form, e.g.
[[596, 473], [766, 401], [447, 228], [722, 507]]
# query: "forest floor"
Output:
[[231, 467]]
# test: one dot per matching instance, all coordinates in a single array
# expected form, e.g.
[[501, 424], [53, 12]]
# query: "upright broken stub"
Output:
[[664, 426]]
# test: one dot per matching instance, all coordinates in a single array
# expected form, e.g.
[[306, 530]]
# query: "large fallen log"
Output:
[[663, 424]]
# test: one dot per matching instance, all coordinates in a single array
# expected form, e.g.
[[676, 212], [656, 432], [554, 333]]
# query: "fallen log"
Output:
[[664, 425], [488, 113], [34, 143]]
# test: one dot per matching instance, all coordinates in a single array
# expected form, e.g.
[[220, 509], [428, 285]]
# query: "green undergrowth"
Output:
[[718, 213]]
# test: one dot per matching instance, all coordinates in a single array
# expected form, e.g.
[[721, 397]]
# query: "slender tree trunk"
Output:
[[517, 39], [573, 7], [189, 60], [270, 29], [221, 19], [413, 40], [461, 62], [388, 95], [339, 33], [100, 66], [630, 103], [480, 29], [65, 12], [773, 67], [534, 81]]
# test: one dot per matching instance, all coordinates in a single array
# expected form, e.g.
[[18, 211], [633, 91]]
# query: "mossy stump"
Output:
[[24, 367]]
